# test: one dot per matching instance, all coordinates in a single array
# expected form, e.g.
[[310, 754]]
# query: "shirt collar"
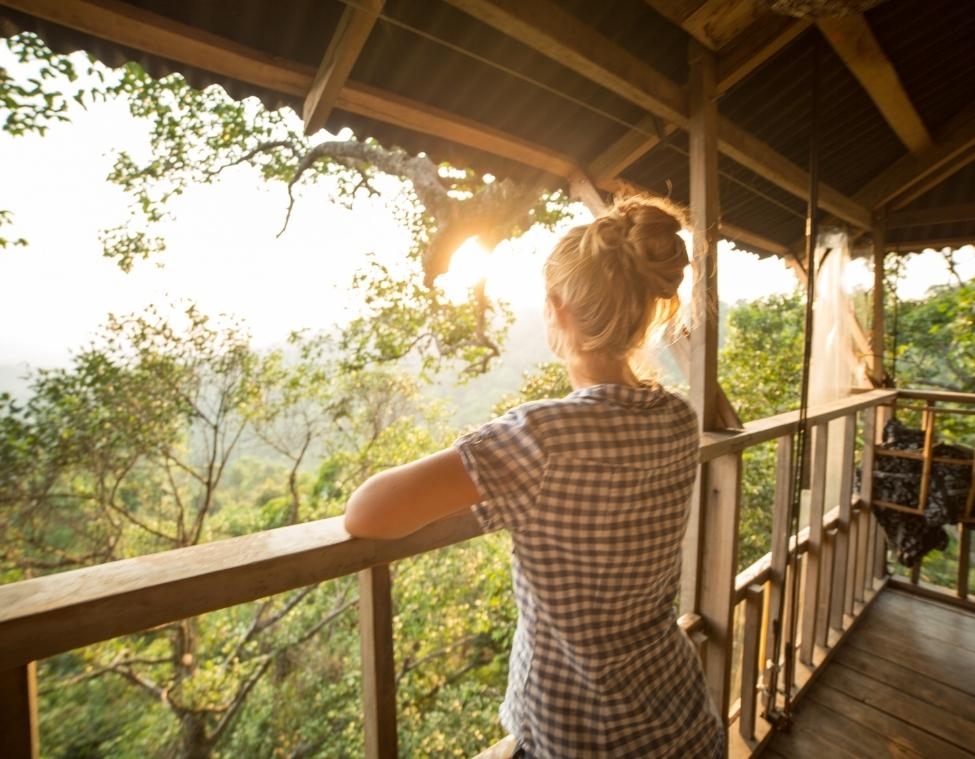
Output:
[[643, 396]]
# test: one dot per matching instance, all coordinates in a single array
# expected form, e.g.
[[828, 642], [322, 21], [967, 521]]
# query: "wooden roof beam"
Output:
[[551, 31], [899, 184], [548, 29], [629, 148], [340, 56], [856, 45]]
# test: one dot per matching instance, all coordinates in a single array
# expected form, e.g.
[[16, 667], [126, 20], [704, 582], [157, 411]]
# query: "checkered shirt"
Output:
[[594, 490]]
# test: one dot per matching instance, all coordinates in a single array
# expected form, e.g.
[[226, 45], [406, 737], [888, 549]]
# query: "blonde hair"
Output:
[[618, 275]]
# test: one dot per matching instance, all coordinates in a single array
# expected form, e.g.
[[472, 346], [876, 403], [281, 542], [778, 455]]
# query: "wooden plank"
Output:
[[721, 490], [820, 732], [817, 500], [911, 727], [704, 228], [19, 738], [48, 615], [847, 734], [904, 679], [552, 31], [934, 621], [378, 662], [941, 662], [952, 150], [754, 602], [841, 544], [765, 38], [778, 597], [858, 48], [343, 50]]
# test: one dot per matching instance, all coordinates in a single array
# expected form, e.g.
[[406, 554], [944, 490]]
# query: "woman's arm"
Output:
[[401, 500]]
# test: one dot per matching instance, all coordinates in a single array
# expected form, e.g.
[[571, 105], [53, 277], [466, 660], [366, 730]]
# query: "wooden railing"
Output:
[[839, 557]]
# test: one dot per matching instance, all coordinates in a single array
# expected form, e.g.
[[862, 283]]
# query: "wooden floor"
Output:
[[901, 685]]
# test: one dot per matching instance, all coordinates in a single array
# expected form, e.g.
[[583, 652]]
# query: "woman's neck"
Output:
[[587, 369]]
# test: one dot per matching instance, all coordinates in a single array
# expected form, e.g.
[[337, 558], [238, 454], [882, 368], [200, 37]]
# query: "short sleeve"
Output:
[[506, 462]]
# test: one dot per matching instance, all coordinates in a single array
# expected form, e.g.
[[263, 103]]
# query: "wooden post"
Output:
[[778, 595], [826, 588], [754, 602], [878, 329], [817, 499], [703, 130], [721, 488], [19, 737], [964, 558], [841, 544], [378, 665]]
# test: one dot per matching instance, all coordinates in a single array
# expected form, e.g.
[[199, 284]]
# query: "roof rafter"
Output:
[[629, 148], [347, 42], [858, 48], [765, 38], [551, 31]]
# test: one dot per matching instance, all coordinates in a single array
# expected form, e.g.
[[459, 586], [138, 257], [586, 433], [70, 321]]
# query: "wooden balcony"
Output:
[[831, 575]]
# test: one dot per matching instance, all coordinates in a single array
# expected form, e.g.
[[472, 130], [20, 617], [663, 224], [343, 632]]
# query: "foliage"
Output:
[[760, 369], [549, 380]]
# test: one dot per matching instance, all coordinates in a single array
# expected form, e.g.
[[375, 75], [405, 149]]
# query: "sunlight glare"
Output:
[[468, 266]]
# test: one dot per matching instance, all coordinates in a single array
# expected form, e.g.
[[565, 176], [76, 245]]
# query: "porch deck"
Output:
[[902, 684]]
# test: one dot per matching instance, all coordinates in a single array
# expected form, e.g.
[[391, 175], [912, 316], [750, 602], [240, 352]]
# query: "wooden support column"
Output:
[[378, 665], [18, 713], [878, 330], [841, 545], [817, 500], [720, 492], [703, 129]]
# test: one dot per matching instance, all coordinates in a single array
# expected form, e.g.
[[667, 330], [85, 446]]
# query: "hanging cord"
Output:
[[782, 718]]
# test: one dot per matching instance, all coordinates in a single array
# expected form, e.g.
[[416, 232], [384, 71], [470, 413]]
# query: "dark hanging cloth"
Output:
[[898, 480]]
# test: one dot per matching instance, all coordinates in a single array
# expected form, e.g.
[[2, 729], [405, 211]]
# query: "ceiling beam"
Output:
[[385, 106], [340, 56], [752, 153], [717, 23], [132, 27], [630, 148], [551, 31], [546, 28], [954, 149], [858, 48]]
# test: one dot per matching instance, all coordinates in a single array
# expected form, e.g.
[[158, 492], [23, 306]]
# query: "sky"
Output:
[[224, 249]]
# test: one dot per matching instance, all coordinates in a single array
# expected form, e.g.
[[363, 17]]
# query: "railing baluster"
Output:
[[779, 548], [378, 664], [827, 567], [862, 571], [754, 602], [817, 500], [721, 490], [851, 559], [18, 712], [964, 557], [841, 545]]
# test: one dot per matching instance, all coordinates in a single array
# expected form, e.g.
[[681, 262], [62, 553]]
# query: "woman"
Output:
[[594, 489]]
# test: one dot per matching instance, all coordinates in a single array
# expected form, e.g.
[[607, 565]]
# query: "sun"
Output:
[[512, 272]]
